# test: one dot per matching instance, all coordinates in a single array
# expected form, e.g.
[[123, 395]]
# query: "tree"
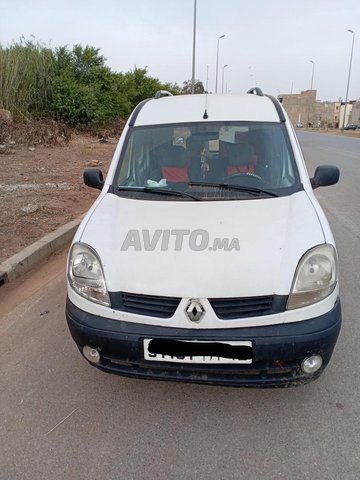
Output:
[[85, 91], [138, 86], [72, 85], [198, 87]]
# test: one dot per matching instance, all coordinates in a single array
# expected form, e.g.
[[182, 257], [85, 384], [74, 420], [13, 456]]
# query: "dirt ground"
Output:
[[41, 188]]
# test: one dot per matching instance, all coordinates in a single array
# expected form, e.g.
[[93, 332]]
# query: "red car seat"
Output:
[[241, 159]]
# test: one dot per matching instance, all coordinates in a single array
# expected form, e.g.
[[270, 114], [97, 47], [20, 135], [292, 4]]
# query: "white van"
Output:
[[206, 257]]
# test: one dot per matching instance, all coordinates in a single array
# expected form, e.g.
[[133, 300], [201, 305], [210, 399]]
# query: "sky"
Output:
[[267, 43]]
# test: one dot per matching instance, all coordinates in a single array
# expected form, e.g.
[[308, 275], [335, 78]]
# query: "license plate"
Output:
[[184, 351]]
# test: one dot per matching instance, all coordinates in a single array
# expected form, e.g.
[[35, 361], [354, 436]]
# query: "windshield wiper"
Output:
[[161, 191], [229, 186]]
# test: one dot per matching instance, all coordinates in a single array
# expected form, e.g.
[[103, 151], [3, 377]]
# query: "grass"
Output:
[[26, 73]]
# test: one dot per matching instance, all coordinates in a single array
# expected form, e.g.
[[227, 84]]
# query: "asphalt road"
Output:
[[62, 419]]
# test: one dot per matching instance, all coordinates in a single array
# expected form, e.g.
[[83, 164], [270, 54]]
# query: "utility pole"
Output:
[[348, 82]]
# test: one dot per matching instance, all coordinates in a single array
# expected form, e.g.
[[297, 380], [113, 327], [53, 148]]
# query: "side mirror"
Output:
[[93, 178], [325, 175]]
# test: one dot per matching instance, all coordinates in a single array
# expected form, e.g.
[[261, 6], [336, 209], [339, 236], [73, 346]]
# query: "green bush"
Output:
[[85, 91], [138, 86], [74, 86], [26, 76]]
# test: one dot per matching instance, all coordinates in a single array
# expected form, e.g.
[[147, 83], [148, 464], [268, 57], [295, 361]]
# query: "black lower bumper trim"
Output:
[[278, 350]]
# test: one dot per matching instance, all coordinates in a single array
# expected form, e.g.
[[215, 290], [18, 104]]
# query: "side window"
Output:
[[135, 162], [275, 157], [288, 176], [125, 167]]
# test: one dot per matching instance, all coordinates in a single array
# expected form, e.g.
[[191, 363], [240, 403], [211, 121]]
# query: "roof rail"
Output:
[[256, 90], [276, 103], [136, 112], [163, 93], [278, 108]]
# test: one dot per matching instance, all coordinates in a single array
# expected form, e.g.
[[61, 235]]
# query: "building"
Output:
[[300, 107], [336, 122], [355, 113], [304, 108], [347, 121], [328, 114]]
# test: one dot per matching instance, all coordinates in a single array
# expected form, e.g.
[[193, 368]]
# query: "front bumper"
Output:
[[278, 349]]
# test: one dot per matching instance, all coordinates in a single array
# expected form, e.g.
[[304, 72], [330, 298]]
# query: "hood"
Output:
[[202, 249]]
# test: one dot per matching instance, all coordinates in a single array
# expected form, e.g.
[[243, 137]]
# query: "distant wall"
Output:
[[300, 107], [303, 107], [355, 113]]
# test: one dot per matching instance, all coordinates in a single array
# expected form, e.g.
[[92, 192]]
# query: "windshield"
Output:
[[201, 159]]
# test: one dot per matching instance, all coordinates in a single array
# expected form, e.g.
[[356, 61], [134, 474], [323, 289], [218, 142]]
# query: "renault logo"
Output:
[[195, 310]]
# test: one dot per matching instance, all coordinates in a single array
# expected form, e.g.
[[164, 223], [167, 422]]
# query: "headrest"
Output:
[[240, 154], [173, 156], [194, 145]]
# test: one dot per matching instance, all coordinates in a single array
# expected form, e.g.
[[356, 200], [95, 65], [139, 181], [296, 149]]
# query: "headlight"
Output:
[[86, 275], [315, 277]]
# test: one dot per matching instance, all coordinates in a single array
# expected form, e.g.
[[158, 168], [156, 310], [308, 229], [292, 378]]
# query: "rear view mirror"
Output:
[[325, 175], [93, 178]]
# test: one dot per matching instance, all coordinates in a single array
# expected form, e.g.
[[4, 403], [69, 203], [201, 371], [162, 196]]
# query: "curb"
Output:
[[28, 258]]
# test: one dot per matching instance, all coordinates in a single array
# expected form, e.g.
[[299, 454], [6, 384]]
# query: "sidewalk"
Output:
[[32, 255]]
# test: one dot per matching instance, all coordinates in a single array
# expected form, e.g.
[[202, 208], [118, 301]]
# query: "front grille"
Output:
[[224, 308], [231, 308], [150, 305]]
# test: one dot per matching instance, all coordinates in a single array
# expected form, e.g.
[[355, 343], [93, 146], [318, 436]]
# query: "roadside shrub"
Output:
[[71, 86], [138, 86], [198, 87], [85, 91], [26, 76]]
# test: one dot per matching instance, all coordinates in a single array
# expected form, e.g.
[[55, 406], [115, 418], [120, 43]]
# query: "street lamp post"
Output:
[[312, 75], [348, 82], [222, 81], [217, 61], [193, 57], [309, 107]]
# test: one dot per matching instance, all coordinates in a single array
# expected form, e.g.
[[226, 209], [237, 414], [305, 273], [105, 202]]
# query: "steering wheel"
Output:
[[250, 178]]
